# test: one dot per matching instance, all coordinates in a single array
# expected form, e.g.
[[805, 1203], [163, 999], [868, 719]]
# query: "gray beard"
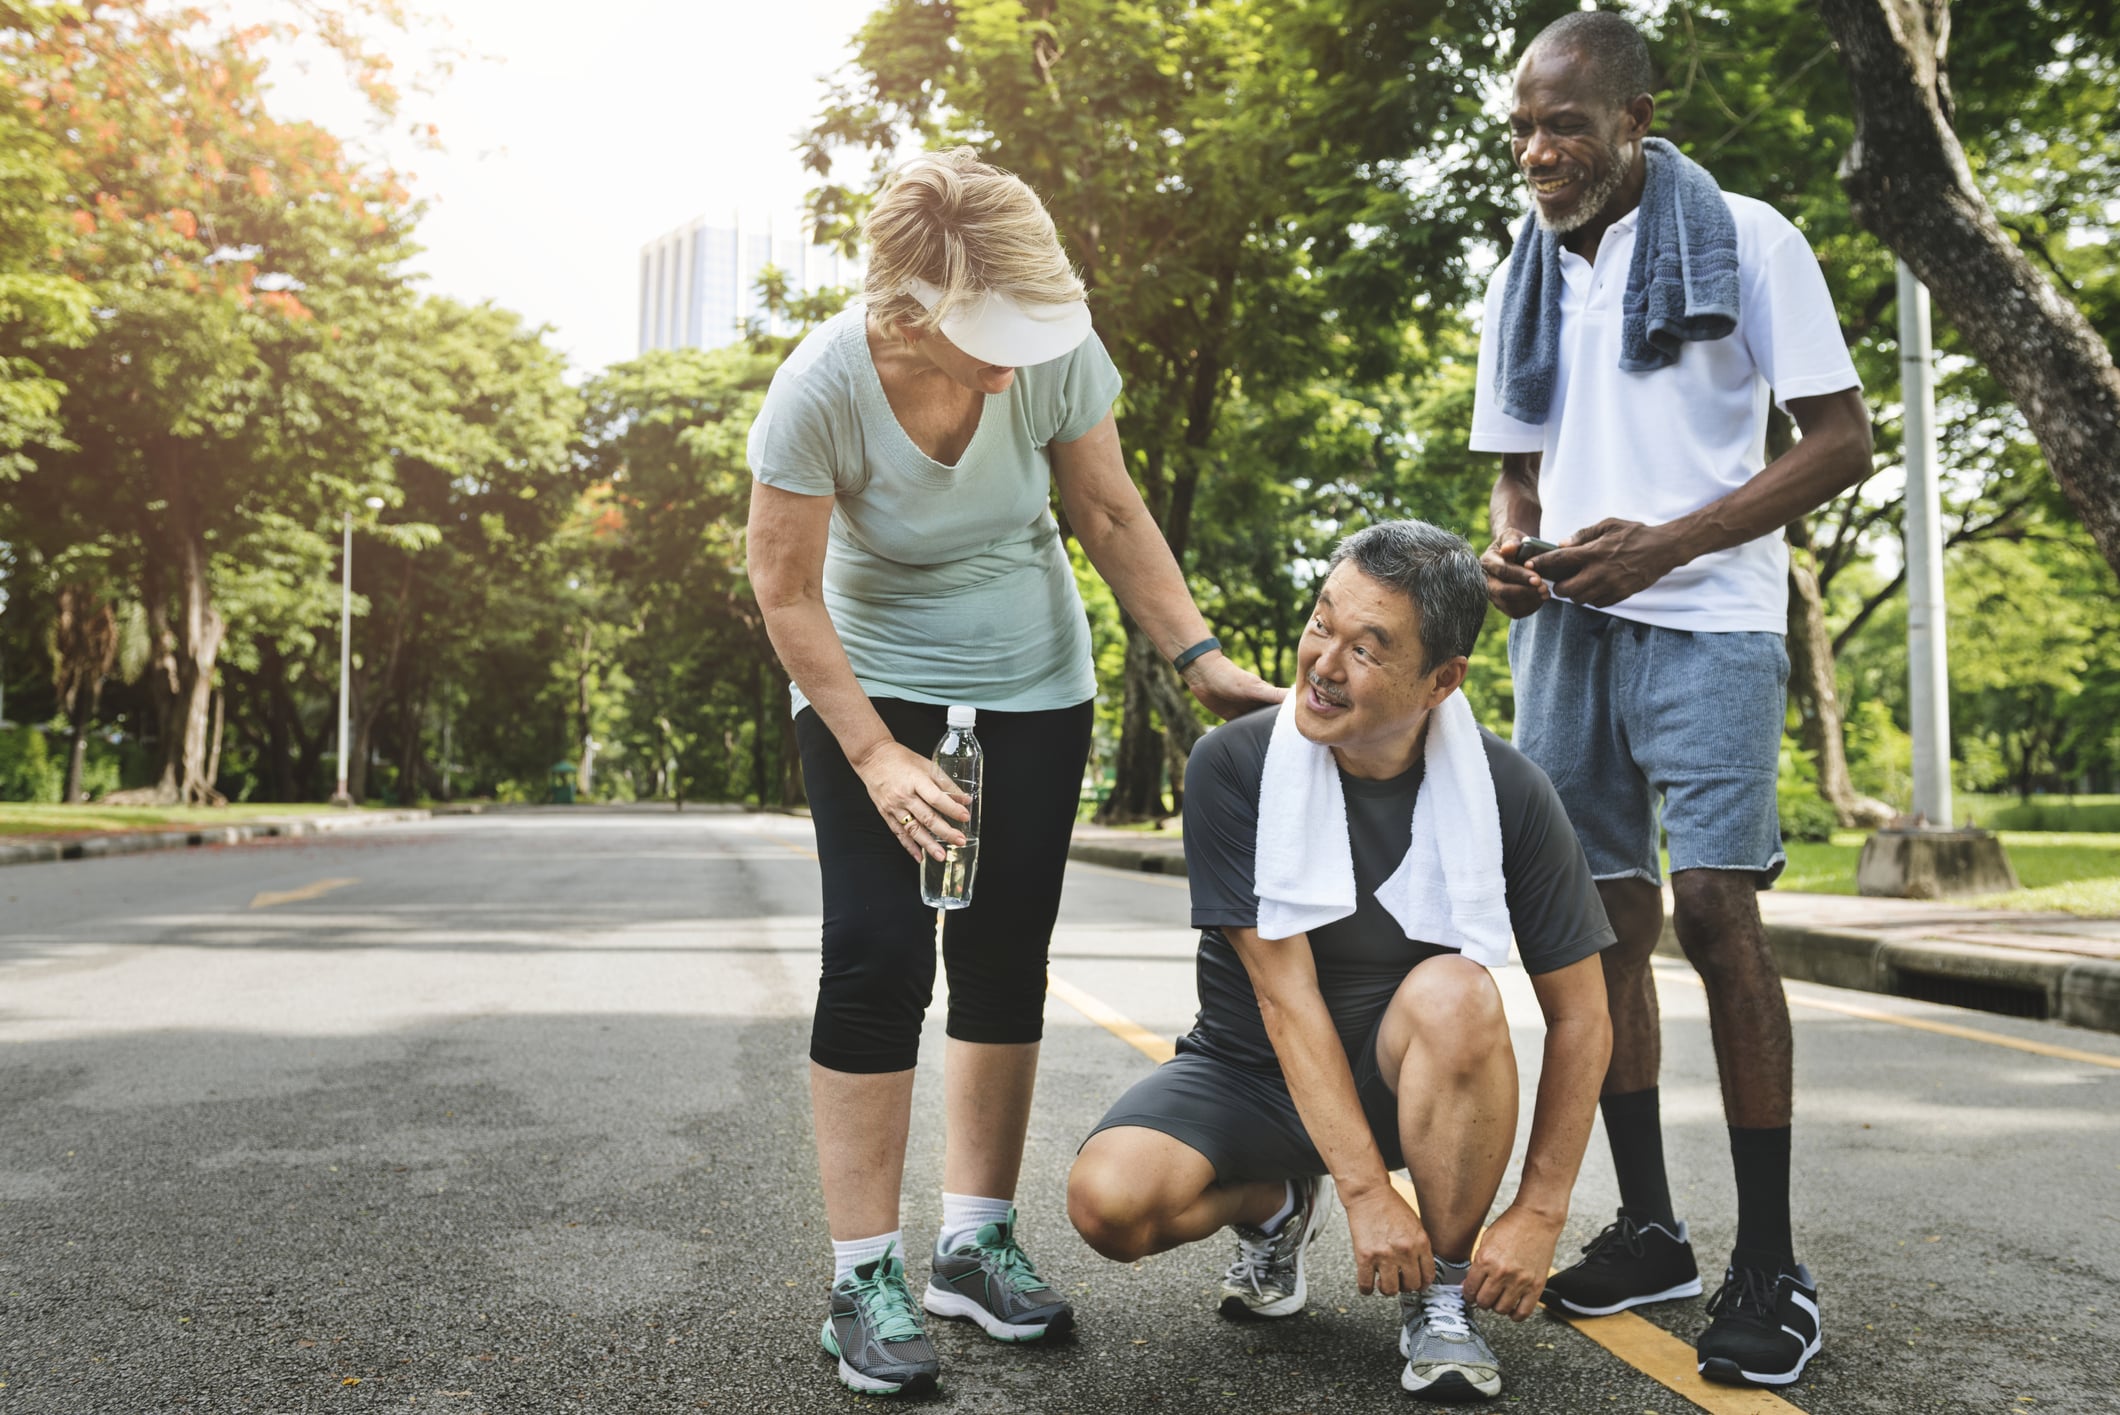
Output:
[[1620, 164]]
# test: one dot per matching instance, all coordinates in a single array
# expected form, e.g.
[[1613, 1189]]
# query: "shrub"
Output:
[[1804, 813], [28, 770]]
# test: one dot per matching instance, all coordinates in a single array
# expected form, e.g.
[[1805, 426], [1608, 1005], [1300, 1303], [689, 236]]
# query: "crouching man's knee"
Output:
[[1108, 1206], [1130, 1188], [1450, 1012]]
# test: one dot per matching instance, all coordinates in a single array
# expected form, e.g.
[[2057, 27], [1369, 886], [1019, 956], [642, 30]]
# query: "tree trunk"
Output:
[[85, 647], [187, 648], [1908, 181], [1811, 689], [213, 751], [1137, 775], [411, 759], [77, 755], [378, 685], [203, 631], [761, 699], [583, 665]]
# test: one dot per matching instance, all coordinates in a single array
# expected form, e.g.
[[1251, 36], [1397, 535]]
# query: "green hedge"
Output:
[[2067, 813]]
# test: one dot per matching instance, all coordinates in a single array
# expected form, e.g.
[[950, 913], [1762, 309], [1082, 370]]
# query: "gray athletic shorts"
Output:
[[1243, 1119], [1620, 714]]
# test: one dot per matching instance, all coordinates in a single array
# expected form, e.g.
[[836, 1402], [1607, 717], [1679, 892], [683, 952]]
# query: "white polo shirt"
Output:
[[1655, 446]]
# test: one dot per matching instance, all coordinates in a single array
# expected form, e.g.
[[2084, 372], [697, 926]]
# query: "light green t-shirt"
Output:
[[946, 584]]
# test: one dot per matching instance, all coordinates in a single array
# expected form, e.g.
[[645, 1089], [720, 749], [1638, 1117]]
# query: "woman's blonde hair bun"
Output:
[[966, 228]]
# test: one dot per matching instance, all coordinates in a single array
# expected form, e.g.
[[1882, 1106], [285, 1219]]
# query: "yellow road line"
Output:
[[295, 896], [1150, 1045], [1639, 1342], [1924, 1024]]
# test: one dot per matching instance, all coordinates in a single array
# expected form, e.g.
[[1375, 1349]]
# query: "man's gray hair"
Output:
[[1435, 569], [1613, 51]]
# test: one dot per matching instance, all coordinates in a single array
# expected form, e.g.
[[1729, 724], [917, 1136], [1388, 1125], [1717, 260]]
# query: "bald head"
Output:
[[1610, 55]]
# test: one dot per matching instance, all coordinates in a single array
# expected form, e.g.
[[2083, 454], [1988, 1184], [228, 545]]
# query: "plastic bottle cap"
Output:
[[961, 716]]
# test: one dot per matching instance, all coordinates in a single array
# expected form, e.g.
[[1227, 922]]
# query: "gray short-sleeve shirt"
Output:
[[946, 584], [1554, 908]]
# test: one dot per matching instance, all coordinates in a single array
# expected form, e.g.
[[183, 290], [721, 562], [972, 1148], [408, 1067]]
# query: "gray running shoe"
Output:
[[990, 1281], [1447, 1360], [875, 1331], [1266, 1280]]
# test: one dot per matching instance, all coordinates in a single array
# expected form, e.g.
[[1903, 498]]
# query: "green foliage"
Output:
[[664, 599], [29, 771], [1805, 815], [1283, 208]]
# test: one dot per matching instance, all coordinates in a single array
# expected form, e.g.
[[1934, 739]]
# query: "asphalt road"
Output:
[[508, 1114]]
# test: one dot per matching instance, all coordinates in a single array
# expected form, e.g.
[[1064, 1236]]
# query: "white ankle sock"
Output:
[[1288, 1206], [963, 1215], [854, 1252]]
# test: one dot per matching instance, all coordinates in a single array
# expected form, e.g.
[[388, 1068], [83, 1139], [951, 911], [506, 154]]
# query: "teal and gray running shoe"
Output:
[[1447, 1360], [875, 1332], [990, 1281]]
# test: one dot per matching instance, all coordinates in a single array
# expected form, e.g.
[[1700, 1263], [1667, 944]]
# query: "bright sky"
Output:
[[590, 131]]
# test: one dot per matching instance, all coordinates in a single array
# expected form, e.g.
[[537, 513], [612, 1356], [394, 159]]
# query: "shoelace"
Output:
[[1443, 1312], [1014, 1265], [1745, 1292], [1254, 1262], [1621, 1232], [886, 1300]]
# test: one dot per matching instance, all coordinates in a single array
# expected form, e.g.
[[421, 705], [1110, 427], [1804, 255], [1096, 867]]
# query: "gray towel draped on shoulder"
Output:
[[1681, 285]]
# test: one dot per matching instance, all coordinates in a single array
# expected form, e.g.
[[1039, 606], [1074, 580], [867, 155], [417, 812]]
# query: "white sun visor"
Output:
[[998, 330]]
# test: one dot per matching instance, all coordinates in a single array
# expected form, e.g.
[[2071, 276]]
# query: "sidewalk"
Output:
[[99, 844], [2017, 962]]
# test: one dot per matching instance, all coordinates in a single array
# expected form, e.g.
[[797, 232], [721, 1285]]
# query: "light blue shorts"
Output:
[[1622, 716]]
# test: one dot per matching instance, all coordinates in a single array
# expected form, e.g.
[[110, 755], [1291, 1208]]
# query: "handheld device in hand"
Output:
[[1532, 545]]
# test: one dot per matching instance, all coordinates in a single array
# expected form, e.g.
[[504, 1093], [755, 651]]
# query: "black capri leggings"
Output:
[[879, 939]]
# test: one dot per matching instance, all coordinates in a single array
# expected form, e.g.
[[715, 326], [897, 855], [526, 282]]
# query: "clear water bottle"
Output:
[[947, 883]]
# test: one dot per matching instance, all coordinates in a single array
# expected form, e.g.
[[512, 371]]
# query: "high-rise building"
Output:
[[699, 283]]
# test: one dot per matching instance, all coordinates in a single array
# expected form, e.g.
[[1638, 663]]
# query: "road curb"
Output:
[[2062, 987], [140, 842]]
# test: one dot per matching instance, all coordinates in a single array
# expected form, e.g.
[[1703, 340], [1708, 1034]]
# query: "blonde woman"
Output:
[[905, 558]]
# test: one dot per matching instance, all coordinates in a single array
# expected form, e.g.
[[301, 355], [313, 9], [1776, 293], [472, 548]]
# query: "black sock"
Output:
[[1636, 1132], [1761, 1158]]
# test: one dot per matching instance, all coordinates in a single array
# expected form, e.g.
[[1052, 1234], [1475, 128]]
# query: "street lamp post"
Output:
[[1927, 859], [341, 797], [1928, 671]]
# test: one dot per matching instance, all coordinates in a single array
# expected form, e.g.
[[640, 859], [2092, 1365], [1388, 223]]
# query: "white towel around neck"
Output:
[[1448, 890]]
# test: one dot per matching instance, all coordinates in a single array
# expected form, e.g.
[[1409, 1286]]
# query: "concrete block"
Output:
[[1838, 958], [2090, 996], [1933, 864]]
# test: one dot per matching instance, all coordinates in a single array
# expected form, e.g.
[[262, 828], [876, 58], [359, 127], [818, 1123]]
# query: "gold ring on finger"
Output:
[[906, 819]]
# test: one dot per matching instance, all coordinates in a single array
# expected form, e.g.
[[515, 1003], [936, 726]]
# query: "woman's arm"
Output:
[[1122, 541], [785, 550]]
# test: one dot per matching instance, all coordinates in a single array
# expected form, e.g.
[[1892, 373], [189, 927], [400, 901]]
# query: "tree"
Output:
[[1908, 178], [1228, 176], [664, 437], [241, 268], [41, 308]]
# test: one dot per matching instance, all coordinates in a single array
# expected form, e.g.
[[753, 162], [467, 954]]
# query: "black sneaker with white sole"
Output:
[[1763, 1330], [1629, 1264]]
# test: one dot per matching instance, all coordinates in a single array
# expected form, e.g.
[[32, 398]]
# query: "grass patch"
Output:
[[2077, 814], [19, 818], [2075, 872]]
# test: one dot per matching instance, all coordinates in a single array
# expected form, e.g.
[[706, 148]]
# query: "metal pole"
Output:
[[345, 650], [1928, 666]]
